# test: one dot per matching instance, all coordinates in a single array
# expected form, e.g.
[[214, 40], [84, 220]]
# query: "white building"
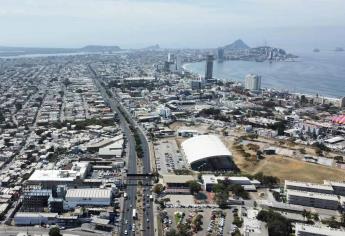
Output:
[[52, 177], [88, 197], [338, 187], [312, 199], [252, 82], [309, 187], [313, 230], [210, 180]]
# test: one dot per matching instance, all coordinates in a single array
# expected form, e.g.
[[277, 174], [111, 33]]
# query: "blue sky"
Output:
[[175, 23]]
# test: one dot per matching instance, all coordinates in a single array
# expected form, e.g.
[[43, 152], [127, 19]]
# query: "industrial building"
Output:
[[34, 218], [312, 199], [309, 187], [88, 197], [207, 152]]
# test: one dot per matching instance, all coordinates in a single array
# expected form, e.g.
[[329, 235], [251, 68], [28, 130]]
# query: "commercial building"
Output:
[[177, 181], [113, 150], [210, 180], [207, 152], [88, 197], [34, 218], [312, 199], [313, 230], [50, 178], [308, 187], [177, 184], [252, 82], [197, 84], [35, 200], [209, 67]]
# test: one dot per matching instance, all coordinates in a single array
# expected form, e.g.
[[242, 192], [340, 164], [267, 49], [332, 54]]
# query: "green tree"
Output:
[[194, 186], [66, 82], [236, 232], [158, 188], [221, 198], [239, 191], [304, 100], [18, 106], [2, 117], [277, 224], [55, 231]]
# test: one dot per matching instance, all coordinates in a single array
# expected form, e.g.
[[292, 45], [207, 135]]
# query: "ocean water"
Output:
[[311, 73]]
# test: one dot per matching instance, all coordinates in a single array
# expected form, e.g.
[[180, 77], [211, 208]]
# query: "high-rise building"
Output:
[[220, 54], [252, 82], [209, 67], [178, 63], [342, 102]]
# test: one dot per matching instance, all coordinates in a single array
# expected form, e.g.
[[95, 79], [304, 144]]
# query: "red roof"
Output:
[[339, 119]]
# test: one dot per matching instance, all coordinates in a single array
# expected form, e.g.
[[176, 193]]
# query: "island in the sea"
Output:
[[239, 50]]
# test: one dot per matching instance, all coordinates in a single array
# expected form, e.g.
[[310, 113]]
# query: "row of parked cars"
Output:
[[196, 206], [216, 225]]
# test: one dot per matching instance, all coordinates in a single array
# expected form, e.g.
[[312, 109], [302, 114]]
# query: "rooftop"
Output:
[[309, 185], [330, 197], [204, 146], [88, 193], [177, 178]]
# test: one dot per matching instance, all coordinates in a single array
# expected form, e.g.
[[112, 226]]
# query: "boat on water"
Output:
[[339, 49], [316, 50]]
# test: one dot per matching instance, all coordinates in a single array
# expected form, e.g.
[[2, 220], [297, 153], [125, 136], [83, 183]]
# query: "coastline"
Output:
[[330, 98]]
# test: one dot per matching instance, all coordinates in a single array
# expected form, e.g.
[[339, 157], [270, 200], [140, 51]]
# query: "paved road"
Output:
[[132, 168]]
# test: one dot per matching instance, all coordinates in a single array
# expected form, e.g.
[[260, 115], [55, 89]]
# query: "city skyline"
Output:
[[173, 24]]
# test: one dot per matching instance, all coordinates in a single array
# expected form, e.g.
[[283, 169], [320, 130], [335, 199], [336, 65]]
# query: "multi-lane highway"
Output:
[[127, 222]]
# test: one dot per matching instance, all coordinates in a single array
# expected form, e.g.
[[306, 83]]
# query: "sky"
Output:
[[290, 24]]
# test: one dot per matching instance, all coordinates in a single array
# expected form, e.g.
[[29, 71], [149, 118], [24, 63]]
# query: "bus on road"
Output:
[[134, 214]]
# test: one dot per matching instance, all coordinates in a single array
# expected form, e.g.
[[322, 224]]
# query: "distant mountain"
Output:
[[339, 49], [99, 48], [237, 45], [153, 47], [15, 51]]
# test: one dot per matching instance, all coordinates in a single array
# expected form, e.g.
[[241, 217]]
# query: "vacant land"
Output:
[[286, 168]]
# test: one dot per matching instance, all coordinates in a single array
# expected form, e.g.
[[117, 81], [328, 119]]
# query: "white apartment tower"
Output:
[[252, 82]]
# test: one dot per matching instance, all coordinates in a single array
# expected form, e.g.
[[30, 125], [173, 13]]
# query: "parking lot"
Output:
[[214, 222], [169, 157]]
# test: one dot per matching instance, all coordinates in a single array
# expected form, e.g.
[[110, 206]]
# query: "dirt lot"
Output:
[[287, 168]]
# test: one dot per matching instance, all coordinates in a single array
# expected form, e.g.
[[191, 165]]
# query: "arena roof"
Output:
[[203, 147]]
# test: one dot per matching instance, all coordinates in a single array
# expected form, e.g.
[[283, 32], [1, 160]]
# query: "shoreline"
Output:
[[330, 98]]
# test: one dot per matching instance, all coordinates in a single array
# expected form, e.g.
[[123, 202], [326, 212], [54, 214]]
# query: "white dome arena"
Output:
[[207, 152]]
